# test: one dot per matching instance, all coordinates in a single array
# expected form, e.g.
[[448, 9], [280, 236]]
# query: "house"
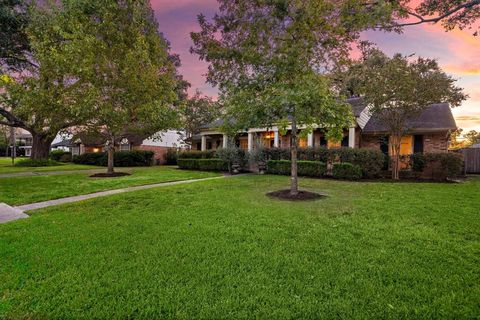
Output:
[[159, 143], [23, 142], [430, 132]]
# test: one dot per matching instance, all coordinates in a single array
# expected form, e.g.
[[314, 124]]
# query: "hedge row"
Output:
[[121, 159], [346, 171], [60, 155], [370, 161], [193, 154], [203, 164], [36, 163], [437, 166]]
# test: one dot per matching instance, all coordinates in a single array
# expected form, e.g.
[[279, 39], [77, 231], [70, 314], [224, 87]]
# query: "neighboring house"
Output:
[[23, 142], [159, 143], [430, 132]]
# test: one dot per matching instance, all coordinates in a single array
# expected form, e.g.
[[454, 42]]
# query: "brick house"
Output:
[[159, 143], [430, 132]]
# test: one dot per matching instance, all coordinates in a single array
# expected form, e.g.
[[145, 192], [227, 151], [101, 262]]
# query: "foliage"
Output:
[[472, 137], [235, 157], [58, 155], [134, 158], [419, 162], [36, 163], [203, 164], [450, 164], [270, 59], [198, 111], [194, 154], [171, 156], [408, 88], [346, 171], [305, 168]]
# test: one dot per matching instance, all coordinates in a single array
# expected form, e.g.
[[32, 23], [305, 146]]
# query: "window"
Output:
[[384, 144], [418, 144], [125, 147], [333, 144], [302, 142], [406, 146], [244, 144], [345, 141], [323, 142]]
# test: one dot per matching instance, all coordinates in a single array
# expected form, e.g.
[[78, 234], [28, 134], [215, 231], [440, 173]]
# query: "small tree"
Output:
[[197, 111], [132, 74], [268, 59], [398, 89]]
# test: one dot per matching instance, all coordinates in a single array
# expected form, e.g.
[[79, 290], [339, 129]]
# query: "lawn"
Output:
[[7, 167], [24, 190], [222, 249]]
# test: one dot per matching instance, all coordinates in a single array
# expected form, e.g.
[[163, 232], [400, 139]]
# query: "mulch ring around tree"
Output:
[[109, 175], [301, 196]]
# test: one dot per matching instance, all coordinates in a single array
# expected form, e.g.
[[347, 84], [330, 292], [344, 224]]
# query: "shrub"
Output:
[[36, 163], [234, 157], [60, 155], [305, 168], [67, 157], [442, 166], [418, 162], [171, 156], [194, 154], [203, 164], [134, 158], [346, 171]]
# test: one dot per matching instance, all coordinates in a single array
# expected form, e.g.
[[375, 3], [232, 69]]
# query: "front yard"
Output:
[[222, 249], [23, 190], [7, 167]]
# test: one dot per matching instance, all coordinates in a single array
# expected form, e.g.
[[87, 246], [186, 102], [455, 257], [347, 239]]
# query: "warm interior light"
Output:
[[96, 150]]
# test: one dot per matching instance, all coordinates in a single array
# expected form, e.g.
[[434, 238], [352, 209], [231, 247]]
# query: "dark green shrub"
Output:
[[187, 164], [36, 163], [203, 164], [305, 168], [67, 157], [55, 155], [171, 156], [347, 171], [194, 154], [444, 165], [134, 158], [418, 162]]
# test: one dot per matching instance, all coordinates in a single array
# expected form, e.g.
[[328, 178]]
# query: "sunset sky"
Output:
[[458, 52]]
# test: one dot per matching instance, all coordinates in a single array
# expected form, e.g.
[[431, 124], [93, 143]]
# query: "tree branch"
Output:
[[422, 20]]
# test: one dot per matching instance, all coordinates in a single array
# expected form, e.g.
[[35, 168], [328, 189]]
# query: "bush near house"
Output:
[[305, 168], [234, 157], [134, 158], [171, 156], [437, 166], [347, 171], [203, 164], [193, 154], [36, 163], [60, 155]]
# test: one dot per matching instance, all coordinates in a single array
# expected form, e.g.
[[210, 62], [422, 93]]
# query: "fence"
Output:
[[472, 160]]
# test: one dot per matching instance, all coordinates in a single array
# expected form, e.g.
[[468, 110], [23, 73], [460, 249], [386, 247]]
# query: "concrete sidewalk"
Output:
[[8, 213]]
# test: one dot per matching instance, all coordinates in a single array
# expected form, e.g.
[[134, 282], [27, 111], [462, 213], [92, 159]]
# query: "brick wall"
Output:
[[370, 142], [437, 142]]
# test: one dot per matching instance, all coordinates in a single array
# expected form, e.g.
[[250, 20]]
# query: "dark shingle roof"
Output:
[[435, 117]]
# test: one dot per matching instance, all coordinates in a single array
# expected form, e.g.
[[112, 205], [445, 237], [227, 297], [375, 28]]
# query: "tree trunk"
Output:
[[396, 141], [110, 153], [40, 146], [293, 148]]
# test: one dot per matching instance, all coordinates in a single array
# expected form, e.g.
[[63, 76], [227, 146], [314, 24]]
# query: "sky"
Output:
[[458, 52]]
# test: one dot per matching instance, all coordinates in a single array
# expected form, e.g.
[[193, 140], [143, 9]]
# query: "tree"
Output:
[[131, 71], [43, 96], [407, 88], [268, 59], [472, 137], [197, 111], [14, 44]]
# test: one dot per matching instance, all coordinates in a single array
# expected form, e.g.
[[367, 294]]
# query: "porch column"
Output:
[[225, 141], [204, 143], [351, 137], [310, 140], [250, 141], [276, 139]]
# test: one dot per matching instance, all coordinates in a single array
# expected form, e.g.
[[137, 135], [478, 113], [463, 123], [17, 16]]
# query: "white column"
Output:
[[310, 139], [204, 143], [276, 139], [351, 137], [225, 141], [250, 141]]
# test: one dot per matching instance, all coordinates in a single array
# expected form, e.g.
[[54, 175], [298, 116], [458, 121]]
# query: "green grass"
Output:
[[23, 190], [7, 167], [222, 249]]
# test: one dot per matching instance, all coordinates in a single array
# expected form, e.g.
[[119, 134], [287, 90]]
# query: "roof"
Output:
[[436, 117], [63, 143], [357, 104]]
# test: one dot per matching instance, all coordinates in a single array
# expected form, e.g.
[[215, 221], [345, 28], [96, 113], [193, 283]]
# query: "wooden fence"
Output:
[[472, 160]]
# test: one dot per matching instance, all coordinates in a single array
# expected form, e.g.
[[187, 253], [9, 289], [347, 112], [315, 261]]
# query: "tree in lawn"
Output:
[[133, 73], [268, 59], [197, 111], [407, 87], [38, 91]]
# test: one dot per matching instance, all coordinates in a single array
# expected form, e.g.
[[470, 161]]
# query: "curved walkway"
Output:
[[8, 213]]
